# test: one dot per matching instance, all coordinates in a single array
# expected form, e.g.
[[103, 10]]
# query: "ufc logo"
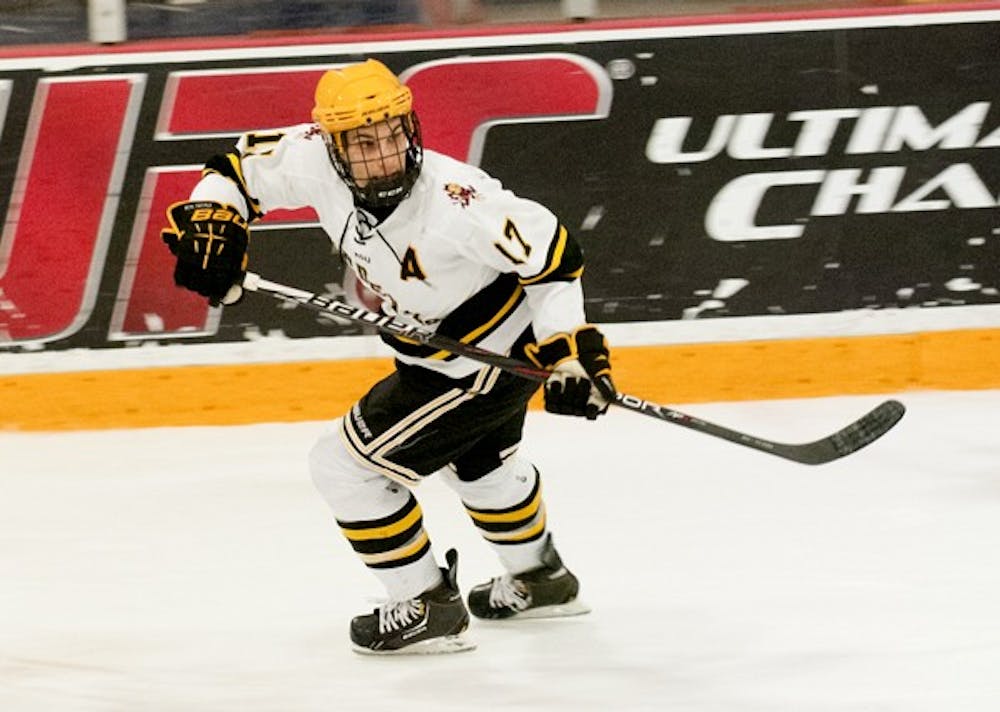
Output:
[[81, 137]]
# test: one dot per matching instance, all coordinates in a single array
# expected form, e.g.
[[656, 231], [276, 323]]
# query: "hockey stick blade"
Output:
[[853, 437], [863, 431]]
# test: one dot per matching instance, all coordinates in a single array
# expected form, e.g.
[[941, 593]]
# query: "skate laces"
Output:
[[394, 615], [507, 592]]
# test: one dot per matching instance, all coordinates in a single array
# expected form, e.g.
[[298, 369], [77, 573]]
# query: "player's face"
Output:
[[376, 151]]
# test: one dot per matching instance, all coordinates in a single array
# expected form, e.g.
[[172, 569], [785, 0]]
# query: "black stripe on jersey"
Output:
[[563, 263], [407, 348], [498, 300], [228, 165]]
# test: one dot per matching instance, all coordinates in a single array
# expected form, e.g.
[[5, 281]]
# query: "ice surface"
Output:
[[196, 570]]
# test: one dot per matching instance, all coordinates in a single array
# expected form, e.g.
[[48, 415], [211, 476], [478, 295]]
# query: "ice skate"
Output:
[[550, 591], [430, 623]]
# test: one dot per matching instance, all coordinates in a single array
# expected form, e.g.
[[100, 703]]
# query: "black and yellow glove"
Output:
[[580, 383], [210, 242]]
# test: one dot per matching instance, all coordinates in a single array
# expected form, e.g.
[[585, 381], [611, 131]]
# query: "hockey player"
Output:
[[445, 246]]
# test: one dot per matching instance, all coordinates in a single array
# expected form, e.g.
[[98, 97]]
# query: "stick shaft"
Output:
[[861, 432]]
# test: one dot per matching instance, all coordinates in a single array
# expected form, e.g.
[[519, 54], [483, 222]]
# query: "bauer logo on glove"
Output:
[[210, 242], [580, 383]]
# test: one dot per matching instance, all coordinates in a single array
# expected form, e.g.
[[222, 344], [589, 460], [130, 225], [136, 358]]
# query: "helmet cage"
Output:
[[383, 192]]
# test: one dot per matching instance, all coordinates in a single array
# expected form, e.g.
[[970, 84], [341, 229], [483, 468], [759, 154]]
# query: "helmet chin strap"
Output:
[[385, 192]]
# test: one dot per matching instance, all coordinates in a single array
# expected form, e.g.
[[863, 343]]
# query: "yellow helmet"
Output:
[[359, 95]]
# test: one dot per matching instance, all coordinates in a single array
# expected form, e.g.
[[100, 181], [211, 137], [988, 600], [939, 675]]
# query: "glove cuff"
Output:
[[551, 352], [590, 340], [566, 347]]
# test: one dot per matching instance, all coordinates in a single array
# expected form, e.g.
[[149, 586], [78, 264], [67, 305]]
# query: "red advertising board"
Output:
[[752, 177]]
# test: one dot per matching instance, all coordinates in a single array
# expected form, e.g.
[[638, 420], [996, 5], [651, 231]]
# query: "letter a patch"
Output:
[[410, 266]]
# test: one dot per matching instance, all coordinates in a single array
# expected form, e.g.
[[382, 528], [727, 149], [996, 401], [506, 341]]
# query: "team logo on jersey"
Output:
[[460, 194]]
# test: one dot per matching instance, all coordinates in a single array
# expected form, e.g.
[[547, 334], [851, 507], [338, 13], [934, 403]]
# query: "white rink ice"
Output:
[[196, 570]]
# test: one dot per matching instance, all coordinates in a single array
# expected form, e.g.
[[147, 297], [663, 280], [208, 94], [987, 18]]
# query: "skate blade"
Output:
[[562, 610], [435, 646]]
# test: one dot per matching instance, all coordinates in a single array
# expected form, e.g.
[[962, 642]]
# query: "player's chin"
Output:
[[389, 179]]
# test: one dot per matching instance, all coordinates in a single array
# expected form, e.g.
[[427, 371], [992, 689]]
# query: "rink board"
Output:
[[318, 390], [827, 224]]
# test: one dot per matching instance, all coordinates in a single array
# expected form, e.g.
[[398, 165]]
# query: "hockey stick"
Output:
[[851, 438]]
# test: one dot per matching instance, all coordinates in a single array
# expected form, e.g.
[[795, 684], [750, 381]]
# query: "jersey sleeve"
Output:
[[524, 237], [556, 307], [266, 170], [518, 235]]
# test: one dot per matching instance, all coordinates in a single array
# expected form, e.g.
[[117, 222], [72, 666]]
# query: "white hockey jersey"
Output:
[[461, 255]]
